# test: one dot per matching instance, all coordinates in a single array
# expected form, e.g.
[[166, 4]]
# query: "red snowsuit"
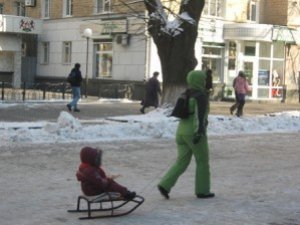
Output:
[[93, 179]]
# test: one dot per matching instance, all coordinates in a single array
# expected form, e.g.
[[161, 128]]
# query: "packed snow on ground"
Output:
[[254, 163]]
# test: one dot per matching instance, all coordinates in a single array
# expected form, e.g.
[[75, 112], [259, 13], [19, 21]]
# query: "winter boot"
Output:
[[209, 195], [163, 192]]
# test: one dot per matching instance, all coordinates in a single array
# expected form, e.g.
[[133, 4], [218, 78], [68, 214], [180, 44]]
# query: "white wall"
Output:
[[128, 61], [9, 42], [10, 56], [56, 33], [154, 61]]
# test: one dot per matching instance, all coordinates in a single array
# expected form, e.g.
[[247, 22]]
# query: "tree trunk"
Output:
[[177, 59], [171, 93], [176, 52]]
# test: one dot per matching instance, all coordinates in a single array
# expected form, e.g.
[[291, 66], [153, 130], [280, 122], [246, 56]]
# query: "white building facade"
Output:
[[15, 31], [230, 41]]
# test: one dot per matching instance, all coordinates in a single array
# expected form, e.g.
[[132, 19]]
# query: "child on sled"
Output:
[[93, 178]]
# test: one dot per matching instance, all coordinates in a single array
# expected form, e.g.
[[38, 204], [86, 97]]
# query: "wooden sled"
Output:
[[109, 205]]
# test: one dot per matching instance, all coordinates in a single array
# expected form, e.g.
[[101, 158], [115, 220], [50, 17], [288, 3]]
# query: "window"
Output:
[[213, 8], [265, 49], [250, 48], [68, 7], [212, 59], [67, 51], [271, 70], [103, 6], [104, 58], [46, 9], [232, 56], [278, 50], [20, 8], [251, 10], [1, 8], [45, 52]]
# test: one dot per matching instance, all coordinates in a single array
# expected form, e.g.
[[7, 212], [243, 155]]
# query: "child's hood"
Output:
[[88, 155]]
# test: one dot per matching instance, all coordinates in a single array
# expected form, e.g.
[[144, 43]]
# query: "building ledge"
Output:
[[248, 31], [260, 32]]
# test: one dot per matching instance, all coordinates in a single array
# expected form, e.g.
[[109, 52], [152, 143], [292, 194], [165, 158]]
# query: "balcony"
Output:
[[20, 25]]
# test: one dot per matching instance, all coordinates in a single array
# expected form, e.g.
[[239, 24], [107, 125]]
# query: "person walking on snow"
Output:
[[236, 104], [75, 80], [152, 91], [191, 140], [241, 87]]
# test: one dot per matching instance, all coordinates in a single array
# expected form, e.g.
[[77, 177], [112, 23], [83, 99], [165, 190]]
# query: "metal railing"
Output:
[[35, 91]]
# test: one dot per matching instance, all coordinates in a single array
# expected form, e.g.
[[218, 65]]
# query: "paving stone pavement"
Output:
[[91, 108]]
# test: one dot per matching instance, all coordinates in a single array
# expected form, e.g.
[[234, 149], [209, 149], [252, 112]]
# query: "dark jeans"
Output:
[[235, 105], [241, 103]]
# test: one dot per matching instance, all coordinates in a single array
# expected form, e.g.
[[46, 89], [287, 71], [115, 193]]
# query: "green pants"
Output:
[[185, 150]]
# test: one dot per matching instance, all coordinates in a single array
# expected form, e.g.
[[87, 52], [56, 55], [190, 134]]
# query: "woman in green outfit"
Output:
[[191, 139]]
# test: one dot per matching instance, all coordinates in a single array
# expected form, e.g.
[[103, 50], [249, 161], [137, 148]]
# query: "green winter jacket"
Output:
[[196, 123]]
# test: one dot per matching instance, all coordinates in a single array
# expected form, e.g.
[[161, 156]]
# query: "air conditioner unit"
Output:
[[123, 39], [29, 2]]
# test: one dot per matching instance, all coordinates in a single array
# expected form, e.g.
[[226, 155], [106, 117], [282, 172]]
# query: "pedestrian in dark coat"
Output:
[[152, 91], [93, 178], [75, 80], [209, 80]]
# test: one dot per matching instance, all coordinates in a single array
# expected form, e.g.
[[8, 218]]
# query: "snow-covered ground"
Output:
[[254, 169], [155, 124]]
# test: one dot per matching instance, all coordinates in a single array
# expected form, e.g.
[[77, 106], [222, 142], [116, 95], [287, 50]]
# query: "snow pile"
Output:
[[68, 122], [66, 127], [155, 124], [275, 122]]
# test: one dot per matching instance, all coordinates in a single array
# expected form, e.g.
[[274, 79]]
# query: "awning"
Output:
[[296, 35], [283, 33]]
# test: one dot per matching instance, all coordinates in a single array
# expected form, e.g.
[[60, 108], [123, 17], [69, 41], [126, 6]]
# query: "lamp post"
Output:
[[87, 33]]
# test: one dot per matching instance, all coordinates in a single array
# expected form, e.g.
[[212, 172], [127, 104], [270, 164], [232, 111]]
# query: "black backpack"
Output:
[[72, 77], [181, 108]]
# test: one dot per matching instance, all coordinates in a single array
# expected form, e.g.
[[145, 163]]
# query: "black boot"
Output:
[[163, 192], [130, 195], [142, 110], [209, 195], [69, 107]]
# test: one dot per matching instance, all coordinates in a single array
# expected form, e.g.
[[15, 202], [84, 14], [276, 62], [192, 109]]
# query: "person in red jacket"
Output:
[[93, 179]]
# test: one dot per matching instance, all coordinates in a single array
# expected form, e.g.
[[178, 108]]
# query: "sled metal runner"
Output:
[[111, 204]]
